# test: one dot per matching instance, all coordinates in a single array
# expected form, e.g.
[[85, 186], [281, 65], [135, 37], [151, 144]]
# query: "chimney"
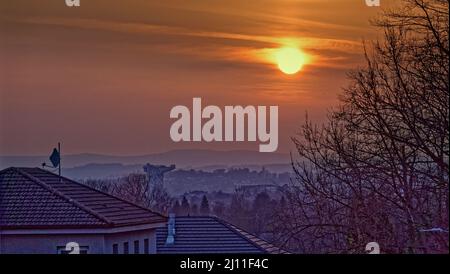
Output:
[[171, 230]]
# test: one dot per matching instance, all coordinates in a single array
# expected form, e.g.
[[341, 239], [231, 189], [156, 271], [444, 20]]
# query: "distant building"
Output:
[[42, 213], [253, 190]]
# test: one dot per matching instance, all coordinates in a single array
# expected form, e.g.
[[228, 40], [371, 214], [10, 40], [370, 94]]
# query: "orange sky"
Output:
[[103, 77]]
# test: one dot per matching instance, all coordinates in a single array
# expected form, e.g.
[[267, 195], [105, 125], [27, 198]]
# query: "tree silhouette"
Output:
[[378, 169], [136, 188], [185, 207], [204, 206], [176, 208], [238, 211], [262, 213], [194, 209], [219, 208]]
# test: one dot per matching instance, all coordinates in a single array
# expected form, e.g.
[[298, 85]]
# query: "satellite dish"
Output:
[[55, 158]]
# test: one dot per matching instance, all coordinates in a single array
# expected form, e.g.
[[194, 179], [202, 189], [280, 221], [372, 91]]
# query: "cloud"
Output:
[[114, 69], [229, 46]]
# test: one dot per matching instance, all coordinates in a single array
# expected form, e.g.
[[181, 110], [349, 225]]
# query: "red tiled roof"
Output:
[[36, 198]]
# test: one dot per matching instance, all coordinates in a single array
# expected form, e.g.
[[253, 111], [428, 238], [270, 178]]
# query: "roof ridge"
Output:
[[229, 226], [104, 193], [270, 245], [6, 170], [62, 195], [240, 230]]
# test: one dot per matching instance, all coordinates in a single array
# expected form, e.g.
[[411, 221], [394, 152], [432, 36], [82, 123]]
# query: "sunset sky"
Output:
[[103, 77]]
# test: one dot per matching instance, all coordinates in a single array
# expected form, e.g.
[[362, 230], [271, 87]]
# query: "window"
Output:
[[115, 249], [125, 248], [136, 247], [146, 247]]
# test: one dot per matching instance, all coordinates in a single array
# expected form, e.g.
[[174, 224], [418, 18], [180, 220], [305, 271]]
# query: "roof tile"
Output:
[[33, 197], [210, 235]]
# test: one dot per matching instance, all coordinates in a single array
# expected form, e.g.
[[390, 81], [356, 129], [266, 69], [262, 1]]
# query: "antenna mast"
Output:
[[59, 166]]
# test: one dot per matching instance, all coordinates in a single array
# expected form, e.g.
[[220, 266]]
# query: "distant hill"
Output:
[[100, 171], [182, 158]]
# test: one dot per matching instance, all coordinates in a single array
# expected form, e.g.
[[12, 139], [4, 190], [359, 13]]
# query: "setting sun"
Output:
[[289, 60]]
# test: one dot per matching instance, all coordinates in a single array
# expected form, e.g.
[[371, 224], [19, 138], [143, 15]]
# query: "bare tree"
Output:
[[134, 188], [378, 169], [137, 188]]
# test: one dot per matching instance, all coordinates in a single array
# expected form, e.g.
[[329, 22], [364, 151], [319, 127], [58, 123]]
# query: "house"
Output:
[[206, 235], [43, 213]]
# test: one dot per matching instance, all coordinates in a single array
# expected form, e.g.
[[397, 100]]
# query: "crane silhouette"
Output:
[[156, 173]]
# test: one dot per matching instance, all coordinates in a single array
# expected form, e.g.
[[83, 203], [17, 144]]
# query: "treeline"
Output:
[[253, 214], [178, 182]]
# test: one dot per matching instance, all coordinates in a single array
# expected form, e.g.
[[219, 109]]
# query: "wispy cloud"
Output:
[[227, 46], [112, 68]]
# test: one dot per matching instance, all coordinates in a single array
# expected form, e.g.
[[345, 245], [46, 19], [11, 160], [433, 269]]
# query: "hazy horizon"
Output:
[[136, 155]]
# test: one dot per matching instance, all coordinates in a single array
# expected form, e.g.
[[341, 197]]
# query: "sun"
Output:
[[290, 60]]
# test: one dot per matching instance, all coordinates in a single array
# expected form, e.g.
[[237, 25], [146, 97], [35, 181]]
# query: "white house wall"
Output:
[[97, 243]]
